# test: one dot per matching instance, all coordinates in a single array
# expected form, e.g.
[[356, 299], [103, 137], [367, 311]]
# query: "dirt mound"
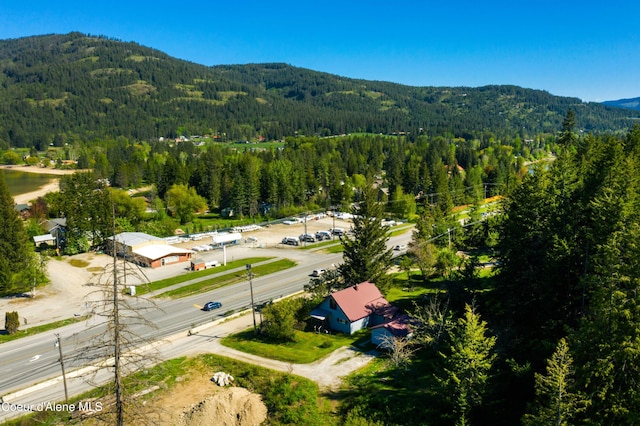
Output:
[[229, 407]]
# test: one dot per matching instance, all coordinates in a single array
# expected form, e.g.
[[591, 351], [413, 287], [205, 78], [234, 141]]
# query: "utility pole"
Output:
[[253, 310], [58, 344], [306, 217], [333, 234]]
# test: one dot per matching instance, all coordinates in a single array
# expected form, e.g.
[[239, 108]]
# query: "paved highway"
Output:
[[30, 360]]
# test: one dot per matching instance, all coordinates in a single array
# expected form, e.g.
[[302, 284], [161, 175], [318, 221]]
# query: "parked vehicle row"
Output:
[[337, 231], [323, 235], [312, 238], [204, 247], [309, 238]]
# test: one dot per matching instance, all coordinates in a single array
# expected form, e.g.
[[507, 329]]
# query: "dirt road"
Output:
[[327, 372]]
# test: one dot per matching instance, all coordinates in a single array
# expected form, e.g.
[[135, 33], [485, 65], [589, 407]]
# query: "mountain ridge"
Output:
[[53, 86], [629, 103]]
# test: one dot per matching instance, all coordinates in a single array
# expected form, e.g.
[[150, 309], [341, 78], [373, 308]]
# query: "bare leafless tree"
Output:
[[400, 351], [119, 324], [432, 321]]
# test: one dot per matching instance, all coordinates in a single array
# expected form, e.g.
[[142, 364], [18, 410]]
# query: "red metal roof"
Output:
[[399, 326], [360, 300]]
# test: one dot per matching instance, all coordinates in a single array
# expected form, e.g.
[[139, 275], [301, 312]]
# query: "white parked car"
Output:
[[318, 272], [400, 247]]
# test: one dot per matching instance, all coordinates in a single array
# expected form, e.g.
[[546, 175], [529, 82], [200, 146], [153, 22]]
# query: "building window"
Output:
[[341, 320]]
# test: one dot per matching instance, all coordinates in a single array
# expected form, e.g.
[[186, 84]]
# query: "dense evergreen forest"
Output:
[[301, 175], [59, 87], [550, 337]]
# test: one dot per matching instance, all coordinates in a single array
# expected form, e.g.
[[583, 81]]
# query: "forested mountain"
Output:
[[632, 103], [96, 87]]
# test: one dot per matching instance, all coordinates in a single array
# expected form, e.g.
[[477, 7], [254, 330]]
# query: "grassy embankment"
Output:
[[159, 285], [230, 278], [289, 399], [307, 347]]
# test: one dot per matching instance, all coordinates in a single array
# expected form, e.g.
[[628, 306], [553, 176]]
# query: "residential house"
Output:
[[23, 210], [57, 228], [354, 308]]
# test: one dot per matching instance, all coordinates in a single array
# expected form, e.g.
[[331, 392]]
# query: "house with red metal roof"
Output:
[[354, 308]]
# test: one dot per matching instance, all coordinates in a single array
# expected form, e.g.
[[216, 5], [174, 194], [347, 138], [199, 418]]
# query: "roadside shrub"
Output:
[[11, 322], [293, 401], [279, 320]]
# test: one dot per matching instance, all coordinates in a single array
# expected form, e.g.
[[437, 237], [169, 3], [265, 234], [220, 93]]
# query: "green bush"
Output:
[[11, 322], [292, 401], [326, 345]]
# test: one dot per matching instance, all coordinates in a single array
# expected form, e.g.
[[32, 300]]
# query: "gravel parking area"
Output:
[[68, 294]]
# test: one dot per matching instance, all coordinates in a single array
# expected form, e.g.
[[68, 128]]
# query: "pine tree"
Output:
[[13, 243], [567, 136], [467, 365], [556, 402], [366, 256]]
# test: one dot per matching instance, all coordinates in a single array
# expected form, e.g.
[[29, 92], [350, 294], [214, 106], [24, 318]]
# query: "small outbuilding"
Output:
[[47, 239], [398, 327]]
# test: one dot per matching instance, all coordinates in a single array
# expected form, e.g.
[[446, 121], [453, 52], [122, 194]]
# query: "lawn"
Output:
[[396, 293], [399, 230], [230, 278], [320, 244], [338, 248], [40, 329], [157, 285], [308, 347]]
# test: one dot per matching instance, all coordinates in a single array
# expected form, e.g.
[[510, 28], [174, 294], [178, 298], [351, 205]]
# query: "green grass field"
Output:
[[230, 278], [158, 285], [308, 347]]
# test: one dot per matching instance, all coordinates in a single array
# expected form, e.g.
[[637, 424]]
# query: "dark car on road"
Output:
[[209, 306]]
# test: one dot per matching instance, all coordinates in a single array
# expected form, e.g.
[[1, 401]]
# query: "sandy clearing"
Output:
[[52, 186], [40, 170], [26, 198]]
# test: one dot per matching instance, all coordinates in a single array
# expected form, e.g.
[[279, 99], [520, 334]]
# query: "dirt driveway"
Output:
[[327, 372]]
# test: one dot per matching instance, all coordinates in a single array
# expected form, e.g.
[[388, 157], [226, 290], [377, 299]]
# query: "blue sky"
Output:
[[588, 49]]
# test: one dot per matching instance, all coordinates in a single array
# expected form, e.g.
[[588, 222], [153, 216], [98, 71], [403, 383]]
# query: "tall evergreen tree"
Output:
[[13, 243], [366, 256], [567, 136], [467, 366], [557, 403], [607, 352], [86, 203]]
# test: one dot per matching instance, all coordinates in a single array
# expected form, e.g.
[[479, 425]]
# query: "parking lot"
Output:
[[272, 236]]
